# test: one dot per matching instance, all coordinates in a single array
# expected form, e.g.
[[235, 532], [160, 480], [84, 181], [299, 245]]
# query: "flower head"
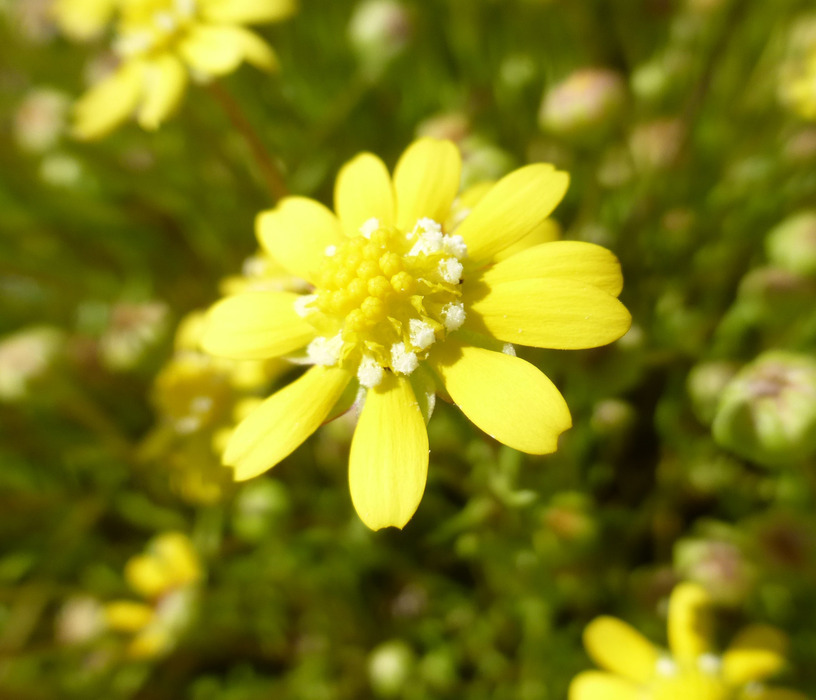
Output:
[[638, 670], [411, 296], [162, 43]]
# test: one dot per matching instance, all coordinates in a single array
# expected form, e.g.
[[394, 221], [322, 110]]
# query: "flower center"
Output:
[[383, 298], [702, 681], [148, 25]]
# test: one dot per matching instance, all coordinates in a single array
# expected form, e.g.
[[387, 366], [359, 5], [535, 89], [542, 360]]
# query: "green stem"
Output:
[[273, 178]]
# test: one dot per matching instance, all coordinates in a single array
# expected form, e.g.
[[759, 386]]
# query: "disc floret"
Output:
[[384, 297]]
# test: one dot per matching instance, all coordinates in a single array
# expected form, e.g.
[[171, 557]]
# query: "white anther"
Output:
[[453, 315], [301, 305], [450, 269], [330, 250], [201, 404], [402, 360], [666, 666], [325, 351], [370, 372], [509, 349], [421, 333], [165, 21], [455, 245], [369, 227], [710, 664], [426, 225]]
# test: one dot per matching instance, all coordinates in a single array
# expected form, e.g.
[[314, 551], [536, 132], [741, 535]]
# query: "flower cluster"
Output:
[[165, 576], [412, 296]]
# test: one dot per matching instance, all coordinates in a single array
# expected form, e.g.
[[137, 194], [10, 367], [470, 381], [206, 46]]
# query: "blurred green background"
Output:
[[684, 161]]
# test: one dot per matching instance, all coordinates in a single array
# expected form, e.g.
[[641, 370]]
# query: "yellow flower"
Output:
[[409, 301], [83, 19], [165, 576], [162, 43], [691, 670]]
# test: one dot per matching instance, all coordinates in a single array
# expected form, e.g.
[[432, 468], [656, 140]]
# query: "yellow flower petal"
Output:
[[109, 103], [363, 191], [83, 19], [585, 263], [557, 314], [595, 685], [547, 231], [691, 627], [756, 653], [127, 615], [426, 181], [514, 207], [218, 50], [165, 82], [507, 397], [388, 464], [296, 234], [147, 575], [283, 421], [245, 11], [255, 326], [176, 551], [621, 649]]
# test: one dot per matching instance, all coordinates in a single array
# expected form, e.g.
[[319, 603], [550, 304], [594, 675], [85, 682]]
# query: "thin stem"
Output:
[[266, 163]]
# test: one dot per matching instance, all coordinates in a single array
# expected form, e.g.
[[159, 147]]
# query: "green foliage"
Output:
[[486, 591]]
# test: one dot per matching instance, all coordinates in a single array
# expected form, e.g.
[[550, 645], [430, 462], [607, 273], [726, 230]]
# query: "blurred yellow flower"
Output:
[[164, 42], [165, 576], [638, 670], [408, 302], [83, 19]]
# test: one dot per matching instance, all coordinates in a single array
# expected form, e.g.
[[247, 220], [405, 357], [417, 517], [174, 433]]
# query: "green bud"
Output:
[[792, 244], [705, 385], [717, 564], [767, 413], [379, 31], [258, 506]]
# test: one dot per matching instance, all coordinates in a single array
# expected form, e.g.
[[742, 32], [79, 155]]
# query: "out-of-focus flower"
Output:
[[166, 577], [33, 19], [635, 669], [133, 329], [587, 100], [379, 31], [83, 20], [163, 42], [40, 119], [705, 385], [767, 413], [792, 244], [407, 303], [25, 357]]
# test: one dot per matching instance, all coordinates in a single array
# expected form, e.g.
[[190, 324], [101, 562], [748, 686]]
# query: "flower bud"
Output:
[[716, 564], [792, 244], [588, 100], [25, 358], [40, 119], [705, 384], [767, 413], [656, 145], [389, 668], [379, 31]]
